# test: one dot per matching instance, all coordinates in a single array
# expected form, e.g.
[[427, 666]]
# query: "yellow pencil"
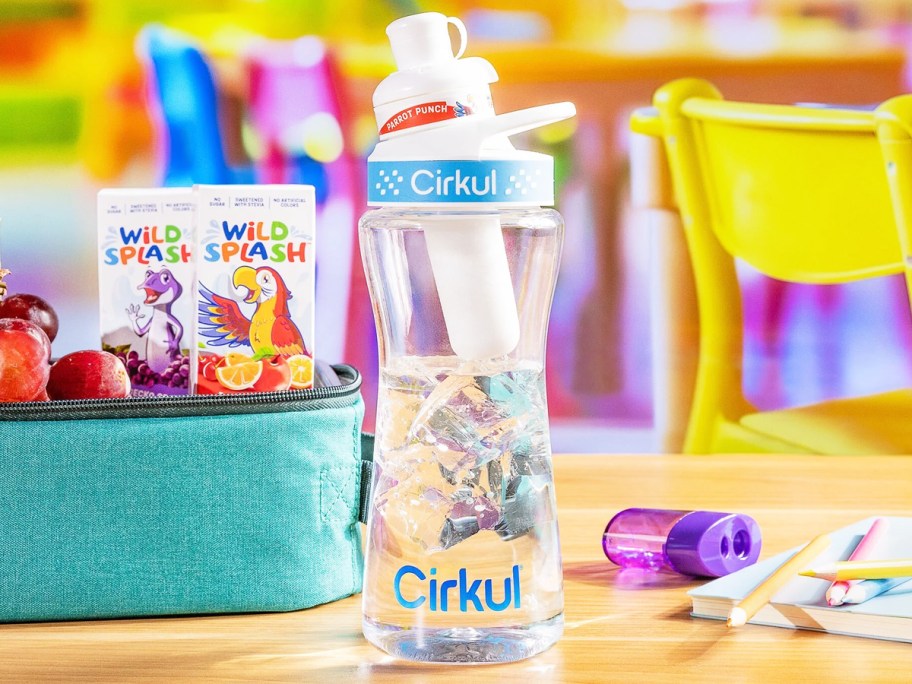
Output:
[[849, 570], [759, 597]]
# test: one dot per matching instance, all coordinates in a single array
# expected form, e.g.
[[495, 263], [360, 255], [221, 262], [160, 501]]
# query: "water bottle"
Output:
[[463, 556]]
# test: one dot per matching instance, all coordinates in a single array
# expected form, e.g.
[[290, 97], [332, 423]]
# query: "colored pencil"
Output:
[[868, 589], [866, 549], [761, 595], [870, 569]]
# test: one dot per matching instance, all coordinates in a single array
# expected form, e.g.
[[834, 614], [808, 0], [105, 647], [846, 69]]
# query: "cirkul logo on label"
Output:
[[508, 182], [477, 593], [389, 182]]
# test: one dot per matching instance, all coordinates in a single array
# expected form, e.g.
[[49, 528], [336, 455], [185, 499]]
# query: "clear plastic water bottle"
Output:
[[463, 555]]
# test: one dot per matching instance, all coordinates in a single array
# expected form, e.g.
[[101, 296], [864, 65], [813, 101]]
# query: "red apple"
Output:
[[276, 375], [88, 374], [24, 354]]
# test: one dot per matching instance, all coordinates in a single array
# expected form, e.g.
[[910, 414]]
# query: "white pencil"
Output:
[[868, 589]]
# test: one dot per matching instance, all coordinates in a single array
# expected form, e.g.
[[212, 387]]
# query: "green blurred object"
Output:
[[29, 10], [39, 125]]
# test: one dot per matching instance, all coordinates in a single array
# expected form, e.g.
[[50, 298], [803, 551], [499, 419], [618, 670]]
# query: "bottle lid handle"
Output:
[[522, 120], [463, 35], [421, 40]]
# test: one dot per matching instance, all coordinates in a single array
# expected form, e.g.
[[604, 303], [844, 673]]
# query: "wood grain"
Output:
[[621, 625]]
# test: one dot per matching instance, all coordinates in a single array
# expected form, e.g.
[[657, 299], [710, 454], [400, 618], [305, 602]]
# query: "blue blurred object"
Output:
[[508, 25], [310, 172], [184, 106]]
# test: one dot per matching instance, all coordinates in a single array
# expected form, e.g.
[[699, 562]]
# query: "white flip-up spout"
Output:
[[492, 134], [523, 120]]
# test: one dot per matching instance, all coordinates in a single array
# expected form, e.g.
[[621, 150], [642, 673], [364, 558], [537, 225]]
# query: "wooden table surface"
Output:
[[618, 627]]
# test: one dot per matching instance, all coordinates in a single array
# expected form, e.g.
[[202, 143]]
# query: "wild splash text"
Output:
[[255, 241]]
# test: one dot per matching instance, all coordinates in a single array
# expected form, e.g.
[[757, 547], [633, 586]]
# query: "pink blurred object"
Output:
[[297, 112], [290, 81]]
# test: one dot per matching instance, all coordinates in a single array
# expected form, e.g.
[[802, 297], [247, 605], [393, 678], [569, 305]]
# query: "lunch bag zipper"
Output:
[[312, 399]]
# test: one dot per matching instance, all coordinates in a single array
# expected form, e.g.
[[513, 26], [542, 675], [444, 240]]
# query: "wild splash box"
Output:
[[146, 282], [255, 288]]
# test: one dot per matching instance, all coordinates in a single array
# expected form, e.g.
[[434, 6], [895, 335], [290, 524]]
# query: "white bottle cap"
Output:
[[432, 85]]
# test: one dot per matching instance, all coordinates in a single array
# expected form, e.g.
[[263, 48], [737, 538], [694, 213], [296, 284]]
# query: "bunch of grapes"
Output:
[[176, 375]]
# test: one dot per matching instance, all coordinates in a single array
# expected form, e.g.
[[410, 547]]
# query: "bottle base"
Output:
[[465, 645]]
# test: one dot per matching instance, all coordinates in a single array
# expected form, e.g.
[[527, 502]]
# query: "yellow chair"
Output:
[[802, 194]]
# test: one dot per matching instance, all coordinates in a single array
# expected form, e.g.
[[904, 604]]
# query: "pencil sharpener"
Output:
[[699, 543]]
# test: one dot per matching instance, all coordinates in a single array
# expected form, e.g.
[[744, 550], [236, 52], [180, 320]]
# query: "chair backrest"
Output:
[[184, 104], [801, 193]]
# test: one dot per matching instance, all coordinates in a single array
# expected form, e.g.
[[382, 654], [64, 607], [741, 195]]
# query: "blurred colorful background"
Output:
[[132, 93]]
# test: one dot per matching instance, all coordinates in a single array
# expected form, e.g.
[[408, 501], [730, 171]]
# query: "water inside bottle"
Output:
[[463, 552]]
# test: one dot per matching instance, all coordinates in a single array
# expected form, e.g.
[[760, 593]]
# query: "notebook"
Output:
[[801, 604]]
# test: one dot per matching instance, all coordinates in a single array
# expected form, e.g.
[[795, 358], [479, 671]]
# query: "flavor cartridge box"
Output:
[[146, 282], [254, 288]]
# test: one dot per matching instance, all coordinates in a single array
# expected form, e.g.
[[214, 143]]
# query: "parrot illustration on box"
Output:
[[163, 331], [269, 331]]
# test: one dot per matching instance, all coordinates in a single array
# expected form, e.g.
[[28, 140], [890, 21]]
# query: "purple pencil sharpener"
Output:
[[701, 543]]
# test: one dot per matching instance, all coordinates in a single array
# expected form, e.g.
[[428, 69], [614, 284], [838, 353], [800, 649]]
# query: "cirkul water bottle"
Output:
[[463, 555]]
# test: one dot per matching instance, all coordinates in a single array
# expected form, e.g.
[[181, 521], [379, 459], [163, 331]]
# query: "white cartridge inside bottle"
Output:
[[469, 262]]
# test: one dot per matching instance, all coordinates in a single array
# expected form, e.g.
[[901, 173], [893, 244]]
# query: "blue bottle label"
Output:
[[526, 182]]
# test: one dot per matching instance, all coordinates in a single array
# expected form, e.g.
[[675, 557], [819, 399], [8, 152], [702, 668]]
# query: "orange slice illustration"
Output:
[[240, 376], [301, 371], [236, 358]]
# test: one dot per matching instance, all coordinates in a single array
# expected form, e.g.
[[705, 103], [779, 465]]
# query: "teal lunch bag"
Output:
[[182, 505]]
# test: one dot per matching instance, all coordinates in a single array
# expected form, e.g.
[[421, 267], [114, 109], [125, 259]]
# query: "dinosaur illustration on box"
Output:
[[268, 331], [163, 331]]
